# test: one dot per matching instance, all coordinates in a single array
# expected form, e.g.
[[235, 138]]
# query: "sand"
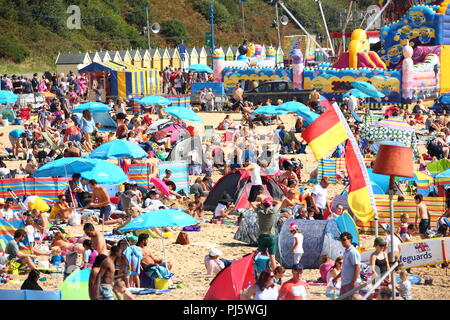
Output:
[[188, 260]]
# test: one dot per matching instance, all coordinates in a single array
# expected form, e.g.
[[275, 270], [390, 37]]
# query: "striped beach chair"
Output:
[[371, 118]]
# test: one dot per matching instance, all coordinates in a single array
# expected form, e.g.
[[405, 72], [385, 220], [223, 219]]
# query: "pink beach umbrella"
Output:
[[161, 186]]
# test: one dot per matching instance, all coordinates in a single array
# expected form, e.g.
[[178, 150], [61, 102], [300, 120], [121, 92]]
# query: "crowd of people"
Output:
[[57, 132]]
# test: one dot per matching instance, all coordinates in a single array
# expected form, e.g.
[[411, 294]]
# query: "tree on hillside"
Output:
[[174, 31]]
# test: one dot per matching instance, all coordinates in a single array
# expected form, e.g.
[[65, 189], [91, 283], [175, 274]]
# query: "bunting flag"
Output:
[[325, 133]]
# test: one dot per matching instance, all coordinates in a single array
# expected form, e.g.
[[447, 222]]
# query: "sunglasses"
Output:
[[344, 239]]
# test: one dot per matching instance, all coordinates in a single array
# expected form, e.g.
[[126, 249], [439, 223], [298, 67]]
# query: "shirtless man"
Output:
[[287, 175], [148, 259], [422, 212], [100, 199], [314, 100], [238, 96], [290, 200], [98, 241], [105, 279]]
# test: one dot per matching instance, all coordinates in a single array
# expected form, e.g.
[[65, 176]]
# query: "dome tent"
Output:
[[237, 184], [319, 237]]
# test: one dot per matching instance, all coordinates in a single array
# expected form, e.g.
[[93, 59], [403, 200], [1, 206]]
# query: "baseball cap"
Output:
[[293, 227], [214, 252], [267, 202], [379, 242], [133, 238]]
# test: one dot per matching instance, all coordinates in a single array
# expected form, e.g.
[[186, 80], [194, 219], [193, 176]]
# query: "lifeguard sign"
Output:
[[424, 253]]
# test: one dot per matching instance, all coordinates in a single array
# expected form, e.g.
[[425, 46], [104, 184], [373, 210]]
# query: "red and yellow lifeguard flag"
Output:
[[360, 195], [325, 133]]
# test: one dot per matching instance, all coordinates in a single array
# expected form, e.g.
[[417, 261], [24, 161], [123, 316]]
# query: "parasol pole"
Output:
[[164, 249], [391, 221]]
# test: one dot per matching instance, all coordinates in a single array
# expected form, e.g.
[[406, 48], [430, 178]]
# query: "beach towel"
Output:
[[159, 272], [134, 257]]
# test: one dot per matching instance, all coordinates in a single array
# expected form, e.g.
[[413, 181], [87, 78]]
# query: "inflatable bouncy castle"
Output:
[[411, 64], [412, 61]]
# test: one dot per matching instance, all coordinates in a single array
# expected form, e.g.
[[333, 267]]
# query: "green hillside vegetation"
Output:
[[33, 32]]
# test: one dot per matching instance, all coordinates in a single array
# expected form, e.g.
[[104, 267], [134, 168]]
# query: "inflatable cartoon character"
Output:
[[251, 50], [395, 55], [407, 72], [417, 17], [297, 68], [218, 64], [425, 35]]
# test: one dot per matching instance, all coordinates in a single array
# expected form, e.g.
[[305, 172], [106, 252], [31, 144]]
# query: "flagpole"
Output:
[[243, 17]]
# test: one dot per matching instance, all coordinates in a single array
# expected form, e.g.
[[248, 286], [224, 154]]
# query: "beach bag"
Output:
[[74, 219], [183, 238]]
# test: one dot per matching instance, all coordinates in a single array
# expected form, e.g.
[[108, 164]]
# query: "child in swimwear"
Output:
[[278, 273], [89, 254], [403, 224], [57, 259]]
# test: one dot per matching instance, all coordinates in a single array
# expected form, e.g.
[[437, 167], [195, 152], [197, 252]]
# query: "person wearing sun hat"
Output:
[[297, 248], [213, 263]]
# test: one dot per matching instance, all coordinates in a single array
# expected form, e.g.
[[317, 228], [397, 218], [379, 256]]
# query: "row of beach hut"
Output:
[[157, 59]]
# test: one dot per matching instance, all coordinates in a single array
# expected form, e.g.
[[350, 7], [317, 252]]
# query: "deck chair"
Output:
[[53, 145]]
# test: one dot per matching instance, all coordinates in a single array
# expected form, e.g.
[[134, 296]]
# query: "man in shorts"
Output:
[[101, 200], [14, 254], [105, 279], [266, 209], [423, 214], [255, 174]]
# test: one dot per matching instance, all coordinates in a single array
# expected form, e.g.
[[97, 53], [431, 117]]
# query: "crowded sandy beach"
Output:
[[317, 169]]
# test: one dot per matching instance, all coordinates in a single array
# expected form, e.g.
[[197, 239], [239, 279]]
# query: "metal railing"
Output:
[[345, 295], [378, 283]]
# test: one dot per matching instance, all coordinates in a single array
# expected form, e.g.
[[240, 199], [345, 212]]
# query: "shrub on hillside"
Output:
[[174, 31], [222, 16], [11, 49]]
